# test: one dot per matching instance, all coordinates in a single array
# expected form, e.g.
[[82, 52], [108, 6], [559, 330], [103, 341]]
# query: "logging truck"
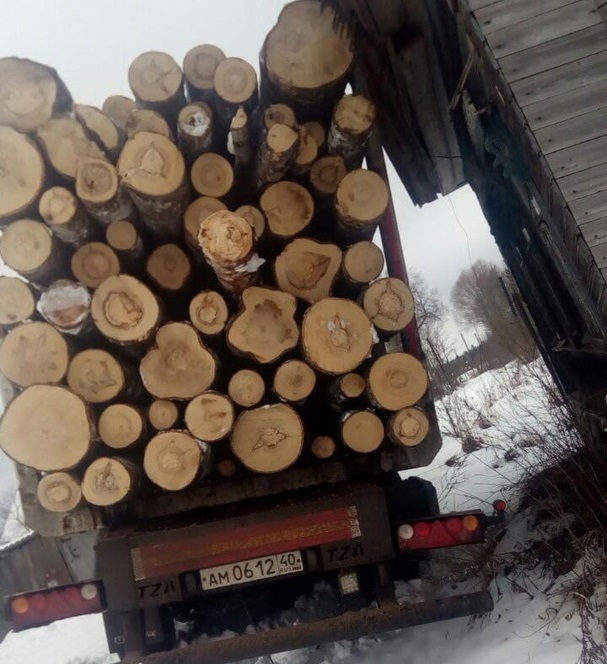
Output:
[[210, 333]]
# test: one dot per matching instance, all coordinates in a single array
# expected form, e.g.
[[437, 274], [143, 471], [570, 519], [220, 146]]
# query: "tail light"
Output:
[[44, 606], [449, 530]]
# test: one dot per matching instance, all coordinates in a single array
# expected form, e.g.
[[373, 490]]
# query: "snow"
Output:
[[536, 619]]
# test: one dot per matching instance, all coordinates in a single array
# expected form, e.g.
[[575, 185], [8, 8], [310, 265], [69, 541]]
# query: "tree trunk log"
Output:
[[227, 468], [195, 130], [278, 149], [307, 269], [396, 380], [362, 431], [323, 447], [235, 83], [246, 388], [279, 114], [209, 313], [145, 120], [210, 416], [254, 216], [65, 216], [100, 129], [353, 122], [326, 175], [33, 353], [363, 262], [336, 335], [17, 302], [93, 263], [268, 439], [169, 267], [199, 67], [163, 414], [306, 154], [66, 305], [196, 212], [265, 329], [408, 427], [289, 209], [173, 459], [178, 366], [122, 236], [346, 388], [109, 481], [212, 175], [360, 202], [389, 304], [239, 140], [46, 427], [59, 492], [118, 108], [294, 381], [122, 425], [318, 133], [22, 175]]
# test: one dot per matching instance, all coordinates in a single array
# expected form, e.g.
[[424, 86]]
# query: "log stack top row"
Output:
[[198, 293]]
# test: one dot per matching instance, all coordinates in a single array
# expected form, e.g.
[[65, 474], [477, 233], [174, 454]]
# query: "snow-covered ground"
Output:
[[537, 618]]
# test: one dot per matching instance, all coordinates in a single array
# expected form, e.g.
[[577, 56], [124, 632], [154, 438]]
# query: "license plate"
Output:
[[254, 569]]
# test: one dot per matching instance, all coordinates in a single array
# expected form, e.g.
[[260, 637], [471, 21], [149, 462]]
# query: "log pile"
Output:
[[198, 294]]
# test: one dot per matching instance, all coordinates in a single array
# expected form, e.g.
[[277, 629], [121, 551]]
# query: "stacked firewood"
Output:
[[199, 294]]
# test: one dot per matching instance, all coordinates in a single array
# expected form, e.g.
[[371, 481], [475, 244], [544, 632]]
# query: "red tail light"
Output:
[[444, 531], [44, 606]]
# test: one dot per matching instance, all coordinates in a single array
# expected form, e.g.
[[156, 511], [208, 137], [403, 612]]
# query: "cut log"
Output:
[[235, 83], [195, 130], [226, 240], [199, 67], [278, 149], [93, 263], [294, 381], [318, 133], [323, 447], [362, 431], [100, 129], [246, 388], [118, 108], [347, 387], [28, 247], [17, 302], [157, 83], [396, 380], [33, 353], [173, 460], [363, 262], [109, 481], [326, 175], [268, 439], [30, 94], [169, 267], [209, 416], [408, 427], [307, 269], [59, 492], [65, 216], [351, 127], [265, 329], [122, 236], [212, 175], [163, 414], [178, 366], [22, 174], [209, 313], [288, 207], [304, 61], [239, 140], [64, 142], [121, 425], [66, 305], [360, 202], [98, 188], [46, 427], [97, 376], [125, 311], [279, 114], [254, 217], [389, 304], [153, 170], [196, 212], [337, 335], [306, 154], [144, 120], [227, 468]]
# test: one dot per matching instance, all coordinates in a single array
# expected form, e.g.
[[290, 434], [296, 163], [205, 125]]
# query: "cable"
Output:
[[459, 223]]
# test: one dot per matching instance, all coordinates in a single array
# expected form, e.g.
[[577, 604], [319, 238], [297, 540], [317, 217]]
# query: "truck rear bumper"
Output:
[[390, 616]]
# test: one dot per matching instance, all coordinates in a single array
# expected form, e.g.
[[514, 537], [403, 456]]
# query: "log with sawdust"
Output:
[[174, 459], [59, 492], [66, 305], [210, 416], [246, 388], [93, 263], [122, 425], [294, 381], [408, 427], [17, 302], [360, 202], [209, 313], [196, 212], [363, 262], [143, 119], [64, 214], [169, 267], [98, 187], [396, 380], [123, 237], [163, 414], [118, 108], [109, 481], [277, 151], [362, 431], [288, 208], [199, 67], [195, 130], [351, 127], [389, 304], [100, 128]]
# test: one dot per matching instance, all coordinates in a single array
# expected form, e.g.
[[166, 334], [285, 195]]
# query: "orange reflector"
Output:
[[470, 522], [20, 605]]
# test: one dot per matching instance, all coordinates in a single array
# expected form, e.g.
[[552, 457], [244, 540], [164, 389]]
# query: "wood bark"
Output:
[[93, 263], [323, 447], [294, 381], [307, 269], [66, 305], [59, 492], [123, 237], [17, 302], [173, 459], [179, 366], [145, 120], [196, 212], [408, 427], [278, 149], [163, 414], [326, 174], [396, 380], [363, 262], [246, 388], [30, 94], [210, 416], [169, 267], [199, 67], [33, 353], [153, 170], [255, 218], [389, 304], [362, 431], [360, 202], [209, 313], [98, 187], [268, 439], [195, 130], [212, 175], [46, 427], [100, 128], [98, 376], [65, 216], [22, 174], [118, 108], [265, 329], [109, 481], [351, 127], [336, 335], [288, 208], [239, 140], [121, 425], [235, 83]]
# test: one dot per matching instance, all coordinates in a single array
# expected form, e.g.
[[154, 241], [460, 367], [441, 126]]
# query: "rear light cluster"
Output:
[[449, 530], [44, 606]]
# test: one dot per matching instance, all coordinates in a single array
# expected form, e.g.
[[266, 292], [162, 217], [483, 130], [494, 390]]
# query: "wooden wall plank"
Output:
[[589, 208], [578, 157], [600, 255], [510, 12], [552, 25], [587, 182], [554, 53], [477, 4], [560, 80], [595, 232], [573, 131], [567, 105]]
